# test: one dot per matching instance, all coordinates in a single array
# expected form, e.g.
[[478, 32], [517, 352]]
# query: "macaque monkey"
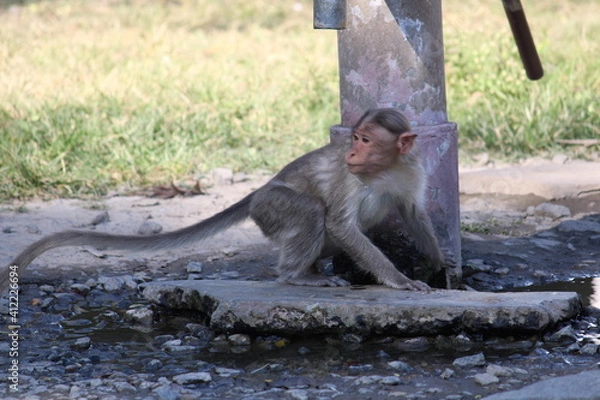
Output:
[[318, 205]]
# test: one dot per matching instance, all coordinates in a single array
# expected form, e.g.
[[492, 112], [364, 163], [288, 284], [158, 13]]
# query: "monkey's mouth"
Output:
[[356, 169]]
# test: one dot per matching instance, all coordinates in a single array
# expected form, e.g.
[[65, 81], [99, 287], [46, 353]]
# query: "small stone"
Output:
[[304, 351], [589, 349], [192, 378], [447, 374], [367, 380], [153, 365], [476, 360], [502, 271], [33, 229], [148, 228], [227, 372], [486, 379], [574, 348], [129, 282], [194, 267], [566, 333], [83, 343], [479, 265], [72, 368], [390, 380], [553, 211], [538, 273], [61, 388], [100, 218], [239, 339], [497, 370], [164, 392], [400, 366], [9, 229], [80, 288], [519, 371], [352, 338], [47, 288], [170, 342], [416, 344], [111, 283], [92, 283], [124, 387], [141, 316]]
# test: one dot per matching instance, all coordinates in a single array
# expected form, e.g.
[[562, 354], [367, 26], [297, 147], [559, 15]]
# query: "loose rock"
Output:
[[554, 211], [497, 370], [140, 316], [100, 218], [486, 379], [239, 339], [400, 366], [148, 228], [192, 377], [194, 267], [476, 360], [447, 374]]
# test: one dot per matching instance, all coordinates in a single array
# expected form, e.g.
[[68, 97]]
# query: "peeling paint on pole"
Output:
[[391, 54]]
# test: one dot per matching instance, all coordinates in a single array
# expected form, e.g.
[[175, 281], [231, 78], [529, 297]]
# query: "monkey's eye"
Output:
[[366, 139], [355, 137]]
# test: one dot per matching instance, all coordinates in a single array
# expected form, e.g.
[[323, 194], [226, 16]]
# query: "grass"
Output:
[[97, 95], [498, 109]]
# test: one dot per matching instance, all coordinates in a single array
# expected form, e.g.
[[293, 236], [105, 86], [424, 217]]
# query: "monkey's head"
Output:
[[379, 139]]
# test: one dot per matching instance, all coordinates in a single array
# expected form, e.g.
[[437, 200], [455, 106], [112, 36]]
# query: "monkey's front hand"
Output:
[[406, 284]]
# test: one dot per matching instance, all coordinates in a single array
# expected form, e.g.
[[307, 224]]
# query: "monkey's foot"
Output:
[[317, 280]]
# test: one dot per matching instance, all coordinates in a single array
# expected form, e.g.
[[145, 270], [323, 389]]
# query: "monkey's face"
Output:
[[374, 149]]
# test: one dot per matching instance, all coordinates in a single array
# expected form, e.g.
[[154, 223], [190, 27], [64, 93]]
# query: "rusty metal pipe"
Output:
[[329, 14], [524, 40]]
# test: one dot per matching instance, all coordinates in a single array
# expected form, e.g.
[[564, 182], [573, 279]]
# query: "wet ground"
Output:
[[78, 338]]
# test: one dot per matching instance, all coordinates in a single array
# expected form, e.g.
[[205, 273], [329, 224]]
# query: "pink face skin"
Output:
[[375, 149]]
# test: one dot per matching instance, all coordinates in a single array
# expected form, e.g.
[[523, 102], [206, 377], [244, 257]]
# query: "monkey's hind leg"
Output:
[[296, 222]]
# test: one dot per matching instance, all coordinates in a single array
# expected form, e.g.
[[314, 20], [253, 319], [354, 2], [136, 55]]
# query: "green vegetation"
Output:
[[96, 95], [498, 109]]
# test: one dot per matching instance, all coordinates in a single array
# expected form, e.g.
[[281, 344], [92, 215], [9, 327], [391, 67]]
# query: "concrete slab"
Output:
[[276, 308], [550, 180]]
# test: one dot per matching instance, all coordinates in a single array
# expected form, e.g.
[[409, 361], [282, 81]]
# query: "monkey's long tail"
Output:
[[194, 233]]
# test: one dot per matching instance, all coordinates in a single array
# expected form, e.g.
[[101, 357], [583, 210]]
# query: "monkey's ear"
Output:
[[405, 142]]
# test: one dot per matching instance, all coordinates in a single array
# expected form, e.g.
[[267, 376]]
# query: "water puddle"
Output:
[[588, 289]]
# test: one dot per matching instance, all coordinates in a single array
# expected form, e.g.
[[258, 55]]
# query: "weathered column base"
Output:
[[443, 203]]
